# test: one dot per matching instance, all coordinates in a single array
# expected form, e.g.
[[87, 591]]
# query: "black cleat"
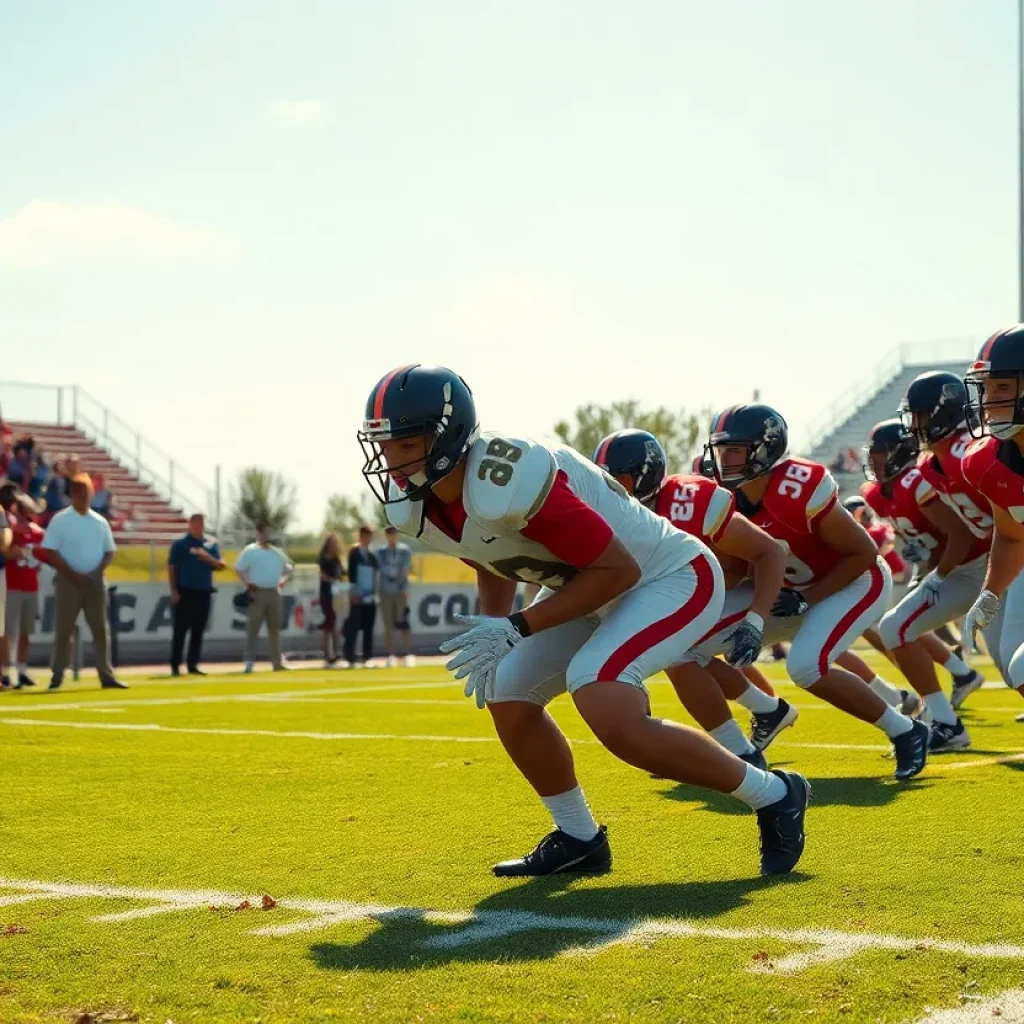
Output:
[[24, 681], [56, 682], [756, 758], [5, 682], [764, 728], [964, 686], [113, 684], [196, 672], [782, 826], [945, 737], [911, 751], [558, 853]]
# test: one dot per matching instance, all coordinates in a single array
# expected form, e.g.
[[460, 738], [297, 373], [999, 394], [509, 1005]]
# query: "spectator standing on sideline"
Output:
[[79, 545], [264, 569], [21, 576], [364, 576], [331, 573], [395, 560], [191, 562]]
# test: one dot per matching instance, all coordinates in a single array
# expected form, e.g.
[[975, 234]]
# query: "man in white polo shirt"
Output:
[[80, 546], [264, 569]]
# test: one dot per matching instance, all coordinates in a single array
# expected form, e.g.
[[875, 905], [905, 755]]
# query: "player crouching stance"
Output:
[[836, 585], [626, 595], [995, 466]]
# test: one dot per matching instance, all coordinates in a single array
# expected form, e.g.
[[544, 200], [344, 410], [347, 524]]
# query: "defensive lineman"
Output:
[[626, 595]]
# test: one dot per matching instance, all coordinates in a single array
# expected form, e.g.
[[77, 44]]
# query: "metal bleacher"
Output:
[[847, 422]]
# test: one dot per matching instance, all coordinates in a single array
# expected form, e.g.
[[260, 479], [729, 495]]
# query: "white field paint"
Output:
[[468, 927], [1005, 1008]]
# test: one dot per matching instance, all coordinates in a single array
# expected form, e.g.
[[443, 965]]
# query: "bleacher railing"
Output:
[[75, 407], [945, 351]]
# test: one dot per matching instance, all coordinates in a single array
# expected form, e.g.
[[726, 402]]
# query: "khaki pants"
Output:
[[265, 607], [392, 608], [91, 600]]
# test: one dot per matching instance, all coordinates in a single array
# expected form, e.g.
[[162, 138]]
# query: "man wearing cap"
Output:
[[21, 574], [191, 563], [79, 545], [395, 560]]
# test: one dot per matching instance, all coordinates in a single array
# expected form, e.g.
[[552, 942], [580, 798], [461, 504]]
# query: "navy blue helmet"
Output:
[[757, 428], [891, 449], [638, 454], [935, 406], [994, 384]]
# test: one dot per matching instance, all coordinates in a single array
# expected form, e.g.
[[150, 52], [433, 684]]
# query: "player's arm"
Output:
[[839, 531], [497, 594], [950, 526], [1006, 560], [743, 540]]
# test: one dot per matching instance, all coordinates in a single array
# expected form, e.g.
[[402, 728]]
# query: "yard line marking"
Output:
[[983, 762], [474, 926], [276, 734], [1007, 1007], [274, 696]]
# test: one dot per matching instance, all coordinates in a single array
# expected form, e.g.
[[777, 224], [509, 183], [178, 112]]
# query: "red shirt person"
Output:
[[21, 574]]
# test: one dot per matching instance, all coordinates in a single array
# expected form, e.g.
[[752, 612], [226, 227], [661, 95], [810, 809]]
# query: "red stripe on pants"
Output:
[[844, 624], [911, 619], [722, 624], [657, 632]]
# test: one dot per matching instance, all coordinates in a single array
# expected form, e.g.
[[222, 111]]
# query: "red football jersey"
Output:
[[23, 574], [910, 491], [946, 475], [799, 495], [695, 505], [996, 469]]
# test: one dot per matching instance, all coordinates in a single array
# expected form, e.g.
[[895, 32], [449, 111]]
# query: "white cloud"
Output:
[[46, 231], [297, 110]]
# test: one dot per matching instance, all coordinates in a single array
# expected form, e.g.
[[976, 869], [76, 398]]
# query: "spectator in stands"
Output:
[[395, 561], [101, 500], [22, 465], [79, 545], [72, 467], [191, 562], [364, 576], [54, 495], [331, 573], [21, 572], [264, 569]]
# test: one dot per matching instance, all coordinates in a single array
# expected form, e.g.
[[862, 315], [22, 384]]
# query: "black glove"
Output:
[[747, 641], [789, 603]]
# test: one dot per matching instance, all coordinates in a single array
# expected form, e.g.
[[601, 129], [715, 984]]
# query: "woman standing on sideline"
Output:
[[331, 573]]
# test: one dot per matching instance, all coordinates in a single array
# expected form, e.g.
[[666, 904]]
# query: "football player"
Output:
[[934, 413], [697, 505], [995, 467], [625, 596], [836, 585]]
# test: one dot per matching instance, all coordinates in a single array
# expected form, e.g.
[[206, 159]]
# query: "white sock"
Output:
[[20, 668], [893, 724], [756, 701], [759, 789], [886, 691], [730, 735], [956, 666], [942, 711], [571, 813]]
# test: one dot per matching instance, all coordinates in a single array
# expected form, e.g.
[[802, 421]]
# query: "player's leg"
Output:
[[907, 703], [828, 629], [701, 695], [649, 629], [965, 679], [872, 637], [530, 676], [1010, 640], [758, 679], [901, 630]]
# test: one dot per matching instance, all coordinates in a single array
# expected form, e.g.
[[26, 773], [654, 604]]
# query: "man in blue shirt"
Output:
[[191, 563]]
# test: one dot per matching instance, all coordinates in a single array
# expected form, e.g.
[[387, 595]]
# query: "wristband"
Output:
[[520, 625], [755, 620]]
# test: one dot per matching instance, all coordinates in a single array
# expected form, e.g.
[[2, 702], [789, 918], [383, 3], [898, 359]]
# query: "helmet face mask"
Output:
[[395, 467], [934, 407], [892, 449], [997, 402]]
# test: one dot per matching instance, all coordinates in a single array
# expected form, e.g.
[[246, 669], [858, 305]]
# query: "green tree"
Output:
[[345, 515], [681, 433], [261, 496]]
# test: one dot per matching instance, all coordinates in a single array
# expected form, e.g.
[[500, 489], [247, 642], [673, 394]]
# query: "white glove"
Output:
[[479, 650], [914, 552], [931, 585], [982, 614]]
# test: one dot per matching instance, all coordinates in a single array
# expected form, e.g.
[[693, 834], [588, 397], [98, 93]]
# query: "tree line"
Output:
[[261, 495]]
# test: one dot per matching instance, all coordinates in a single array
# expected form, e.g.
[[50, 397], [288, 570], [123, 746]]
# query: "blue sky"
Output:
[[228, 220]]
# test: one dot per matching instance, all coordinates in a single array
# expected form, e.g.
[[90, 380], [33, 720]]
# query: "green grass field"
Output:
[[370, 805]]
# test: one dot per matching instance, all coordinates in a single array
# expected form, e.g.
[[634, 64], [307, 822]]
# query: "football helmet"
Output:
[[758, 429], [638, 454], [416, 400], [891, 450], [935, 406], [994, 385]]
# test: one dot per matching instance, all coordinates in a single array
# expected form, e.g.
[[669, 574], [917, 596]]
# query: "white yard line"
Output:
[[1006, 1008], [468, 927]]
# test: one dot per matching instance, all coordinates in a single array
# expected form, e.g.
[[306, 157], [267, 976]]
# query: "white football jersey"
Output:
[[508, 485]]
